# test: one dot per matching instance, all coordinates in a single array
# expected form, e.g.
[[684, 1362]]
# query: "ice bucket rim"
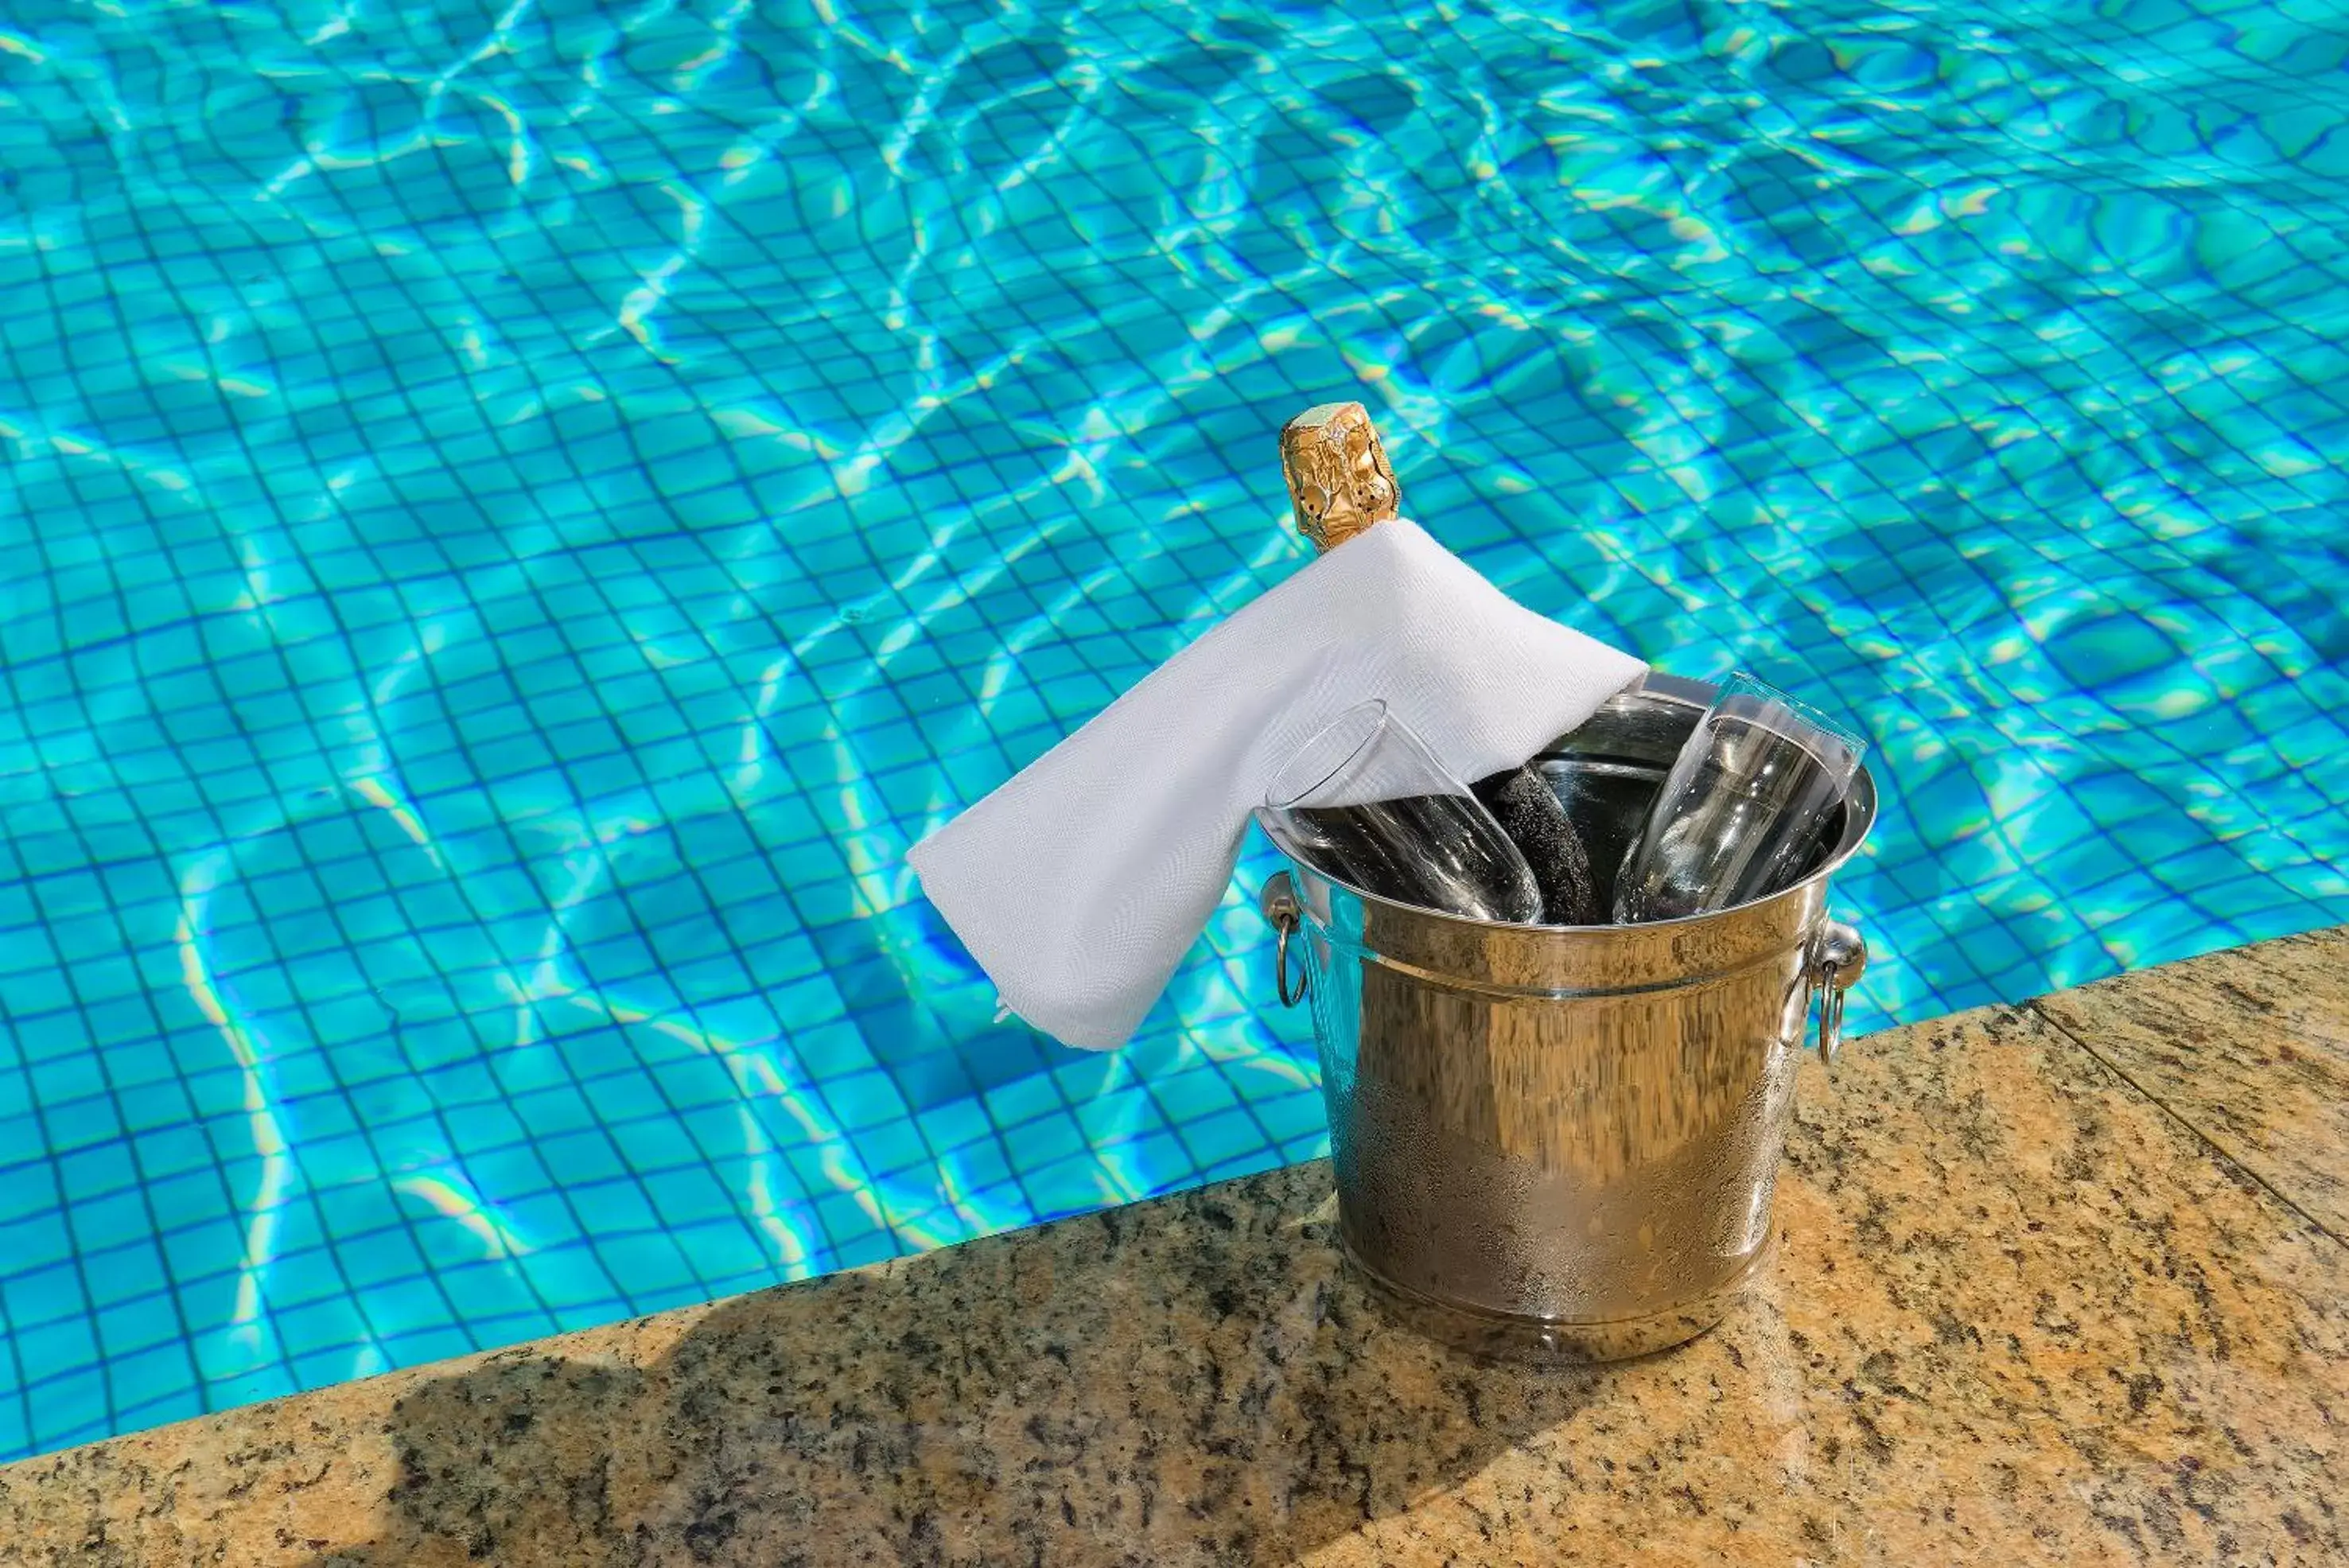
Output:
[[1859, 819]]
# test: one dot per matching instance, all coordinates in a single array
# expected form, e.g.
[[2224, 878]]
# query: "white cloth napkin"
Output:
[[1080, 884]]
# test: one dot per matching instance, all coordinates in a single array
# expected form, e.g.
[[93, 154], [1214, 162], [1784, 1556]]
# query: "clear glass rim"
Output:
[[1746, 683], [1279, 796], [1847, 846]]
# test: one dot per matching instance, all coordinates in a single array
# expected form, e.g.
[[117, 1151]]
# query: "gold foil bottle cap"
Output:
[[1339, 482]]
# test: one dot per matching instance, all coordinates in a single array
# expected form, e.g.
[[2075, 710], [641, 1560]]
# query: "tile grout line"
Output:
[[2205, 1139]]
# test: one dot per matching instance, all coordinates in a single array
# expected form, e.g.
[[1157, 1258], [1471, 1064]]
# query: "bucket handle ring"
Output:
[[1281, 906], [1838, 958]]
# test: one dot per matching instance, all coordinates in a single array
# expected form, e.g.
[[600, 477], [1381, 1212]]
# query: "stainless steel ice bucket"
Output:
[[1565, 1140]]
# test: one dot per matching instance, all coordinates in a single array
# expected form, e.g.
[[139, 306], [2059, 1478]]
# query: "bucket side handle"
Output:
[[1838, 958], [1281, 907]]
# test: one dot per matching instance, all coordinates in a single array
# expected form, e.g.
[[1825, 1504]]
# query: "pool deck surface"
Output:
[[2062, 1283]]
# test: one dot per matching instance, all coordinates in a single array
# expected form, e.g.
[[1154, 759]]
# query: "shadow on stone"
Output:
[[1187, 1382]]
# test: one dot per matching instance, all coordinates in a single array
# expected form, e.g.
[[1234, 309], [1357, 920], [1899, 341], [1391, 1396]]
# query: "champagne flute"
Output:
[[1364, 802], [1746, 809]]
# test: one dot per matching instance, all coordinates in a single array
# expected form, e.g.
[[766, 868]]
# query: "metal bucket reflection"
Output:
[[1566, 1140]]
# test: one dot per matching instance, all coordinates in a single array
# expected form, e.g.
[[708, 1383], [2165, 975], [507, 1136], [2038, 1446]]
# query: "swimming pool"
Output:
[[517, 515]]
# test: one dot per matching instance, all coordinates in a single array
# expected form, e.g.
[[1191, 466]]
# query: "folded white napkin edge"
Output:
[[1080, 915]]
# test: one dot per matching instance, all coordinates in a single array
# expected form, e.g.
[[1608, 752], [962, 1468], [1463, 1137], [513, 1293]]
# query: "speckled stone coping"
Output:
[[2056, 1283]]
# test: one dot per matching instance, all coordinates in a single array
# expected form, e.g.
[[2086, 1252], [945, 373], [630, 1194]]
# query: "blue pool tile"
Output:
[[36, 992], [75, 1124], [302, 1274], [72, 1408], [383, 1258], [1231, 1135], [35, 1294], [683, 1196], [1195, 1094], [957, 1125], [336, 1365], [1292, 1117], [88, 1175], [727, 1253], [66, 1343], [421, 1346], [618, 1206], [546, 1112], [866, 1099], [109, 1221], [651, 1264], [199, 1241], [1024, 1100], [16, 1424], [151, 1324]]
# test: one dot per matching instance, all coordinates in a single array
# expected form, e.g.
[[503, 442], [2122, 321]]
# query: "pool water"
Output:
[[516, 514]]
